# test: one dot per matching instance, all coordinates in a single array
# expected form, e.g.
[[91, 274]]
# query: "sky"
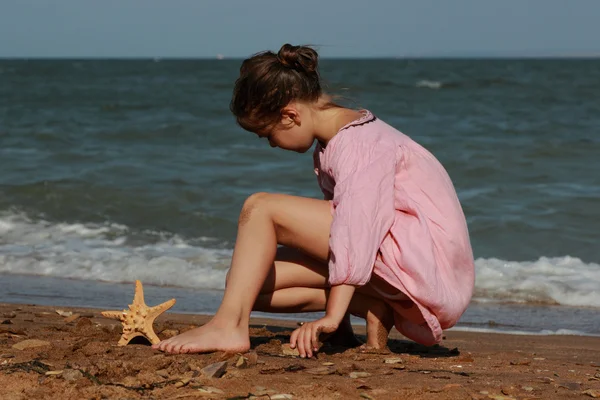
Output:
[[338, 28]]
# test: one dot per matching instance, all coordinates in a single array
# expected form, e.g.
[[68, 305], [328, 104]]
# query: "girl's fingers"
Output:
[[300, 342], [308, 340], [314, 338], [294, 338]]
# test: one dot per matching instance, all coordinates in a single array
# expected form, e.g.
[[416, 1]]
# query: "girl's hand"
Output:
[[306, 338]]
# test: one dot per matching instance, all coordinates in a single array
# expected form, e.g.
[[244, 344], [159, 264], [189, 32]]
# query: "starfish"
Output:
[[139, 319]]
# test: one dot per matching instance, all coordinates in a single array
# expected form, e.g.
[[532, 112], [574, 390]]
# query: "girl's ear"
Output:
[[290, 115]]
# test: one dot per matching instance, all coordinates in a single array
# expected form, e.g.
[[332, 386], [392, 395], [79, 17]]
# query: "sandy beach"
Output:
[[75, 355]]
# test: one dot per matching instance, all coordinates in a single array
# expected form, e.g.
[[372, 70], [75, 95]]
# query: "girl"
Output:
[[389, 242]]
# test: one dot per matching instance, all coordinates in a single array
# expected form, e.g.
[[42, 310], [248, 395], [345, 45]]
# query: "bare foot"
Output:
[[380, 321], [206, 339]]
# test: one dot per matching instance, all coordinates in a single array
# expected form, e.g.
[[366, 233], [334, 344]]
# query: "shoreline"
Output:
[[79, 358], [536, 319]]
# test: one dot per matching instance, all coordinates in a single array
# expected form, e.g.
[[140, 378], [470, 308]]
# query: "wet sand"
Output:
[[77, 357]]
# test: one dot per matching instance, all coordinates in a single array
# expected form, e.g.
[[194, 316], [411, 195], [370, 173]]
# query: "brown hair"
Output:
[[268, 82]]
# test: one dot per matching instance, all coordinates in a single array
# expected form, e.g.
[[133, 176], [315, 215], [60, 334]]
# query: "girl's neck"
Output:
[[327, 121]]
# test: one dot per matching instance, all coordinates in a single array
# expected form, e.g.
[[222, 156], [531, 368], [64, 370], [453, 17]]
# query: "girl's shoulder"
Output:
[[369, 130]]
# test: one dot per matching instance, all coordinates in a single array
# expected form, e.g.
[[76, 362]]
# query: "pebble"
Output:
[[527, 388], [30, 343], [355, 375], [262, 391], [182, 382], [162, 373], [215, 370], [508, 390], [365, 396], [451, 386], [321, 370], [71, 374], [56, 372], [210, 390], [286, 350], [72, 318], [64, 313], [252, 358], [592, 393], [570, 385], [9, 315], [327, 364], [13, 330], [281, 396], [83, 321], [393, 361], [41, 314], [6, 322], [520, 362], [241, 362]]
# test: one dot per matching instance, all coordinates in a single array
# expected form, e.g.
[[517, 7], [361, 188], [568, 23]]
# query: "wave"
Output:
[[476, 83], [109, 252], [557, 280], [543, 332], [429, 84], [114, 253]]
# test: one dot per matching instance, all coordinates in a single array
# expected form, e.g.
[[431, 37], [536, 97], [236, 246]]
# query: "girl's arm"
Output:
[[339, 301]]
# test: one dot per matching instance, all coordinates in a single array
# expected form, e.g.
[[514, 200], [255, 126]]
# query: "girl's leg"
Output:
[[298, 283], [265, 221], [376, 313]]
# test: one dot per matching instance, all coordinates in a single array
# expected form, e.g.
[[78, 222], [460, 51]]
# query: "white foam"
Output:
[[101, 252], [111, 252], [560, 280], [429, 84], [544, 332]]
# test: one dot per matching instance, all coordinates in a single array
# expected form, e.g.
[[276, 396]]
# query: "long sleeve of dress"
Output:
[[363, 201]]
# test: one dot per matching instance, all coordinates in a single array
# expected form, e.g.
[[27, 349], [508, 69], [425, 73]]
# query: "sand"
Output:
[[44, 355]]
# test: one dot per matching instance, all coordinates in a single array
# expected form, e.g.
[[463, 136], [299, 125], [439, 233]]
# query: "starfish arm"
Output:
[[149, 334], [113, 314], [138, 297], [155, 311]]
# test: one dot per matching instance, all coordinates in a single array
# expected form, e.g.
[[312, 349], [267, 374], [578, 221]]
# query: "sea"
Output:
[[117, 170]]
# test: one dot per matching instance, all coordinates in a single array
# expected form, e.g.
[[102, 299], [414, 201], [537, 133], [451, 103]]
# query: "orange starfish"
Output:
[[139, 319]]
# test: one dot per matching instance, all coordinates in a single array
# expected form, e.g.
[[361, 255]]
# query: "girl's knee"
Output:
[[253, 203]]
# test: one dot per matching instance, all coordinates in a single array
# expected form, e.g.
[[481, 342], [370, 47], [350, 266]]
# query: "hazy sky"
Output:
[[352, 28]]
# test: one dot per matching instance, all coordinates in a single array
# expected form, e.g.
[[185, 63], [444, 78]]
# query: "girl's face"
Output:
[[294, 132]]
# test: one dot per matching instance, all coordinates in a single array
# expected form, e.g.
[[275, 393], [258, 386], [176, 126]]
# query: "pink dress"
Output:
[[396, 215]]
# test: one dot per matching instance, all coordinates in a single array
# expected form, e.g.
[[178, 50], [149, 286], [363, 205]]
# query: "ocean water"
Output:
[[116, 170]]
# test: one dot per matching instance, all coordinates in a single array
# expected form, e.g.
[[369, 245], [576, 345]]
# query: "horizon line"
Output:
[[389, 57]]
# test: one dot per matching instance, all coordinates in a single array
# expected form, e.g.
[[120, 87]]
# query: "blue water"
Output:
[[112, 171]]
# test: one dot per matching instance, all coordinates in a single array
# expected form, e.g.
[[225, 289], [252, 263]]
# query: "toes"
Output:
[[185, 349], [177, 348], [159, 346], [169, 347]]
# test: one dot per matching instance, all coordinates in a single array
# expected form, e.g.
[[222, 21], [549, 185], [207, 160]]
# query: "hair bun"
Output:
[[300, 58]]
